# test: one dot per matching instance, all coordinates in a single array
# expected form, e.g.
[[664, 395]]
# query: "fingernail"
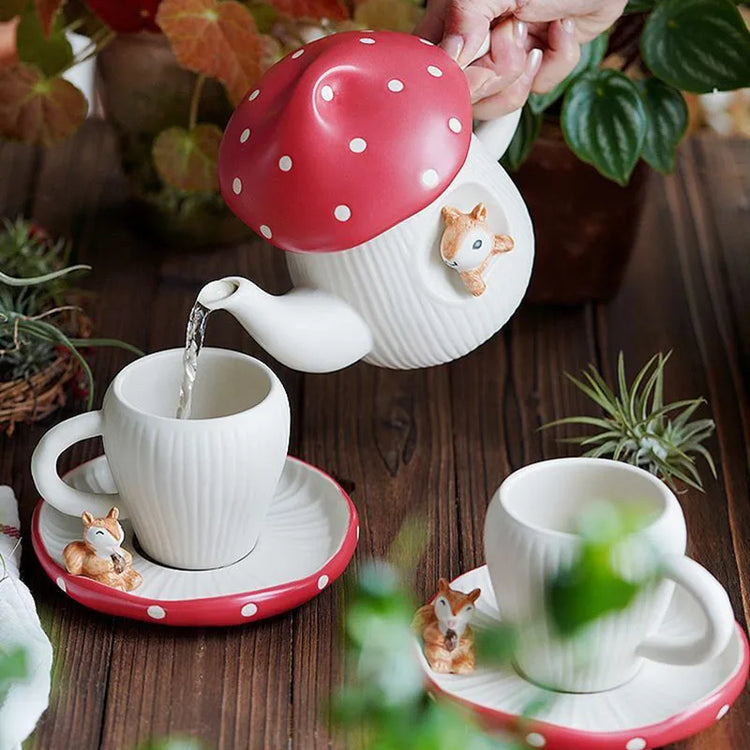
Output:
[[568, 26], [532, 63], [520, 31], [452, 45]]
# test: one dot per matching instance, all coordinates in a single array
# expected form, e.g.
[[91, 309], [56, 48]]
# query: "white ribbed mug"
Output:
[[530, 536], [197, 490]]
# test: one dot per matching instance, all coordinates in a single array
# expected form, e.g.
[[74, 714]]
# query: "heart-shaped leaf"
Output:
[[126, 16], [591, 55], [36, 109], [47, 10], [312, 10], [218, 39], [523, 139], [50, 53], [697, 45], [189, 159], [667, 115], [604, 122]]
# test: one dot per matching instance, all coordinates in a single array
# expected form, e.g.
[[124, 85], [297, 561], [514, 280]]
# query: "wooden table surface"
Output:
[[436, 442]]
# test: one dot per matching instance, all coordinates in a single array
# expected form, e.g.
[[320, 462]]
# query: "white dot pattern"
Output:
[[357, 145], [430, 178], [327, 93], [395, 85], [637, 743], [455, 125], [342, 212], [365, 40], [322, 581], [61, 585], [156, 612], [534, 739], [249, 609], [236, 185], [298, 53], [285, 163], [266, 231], [254, 95], [426, 41], [244, 135], [722, 712], [433, 70]]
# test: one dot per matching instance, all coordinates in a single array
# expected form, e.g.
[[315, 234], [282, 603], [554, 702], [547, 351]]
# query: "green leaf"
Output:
[[640, 6], [667, 115], [50, 54], [591, 55], [523, 140], [698, 45], [189, 159], [13, 666], [604, 122]]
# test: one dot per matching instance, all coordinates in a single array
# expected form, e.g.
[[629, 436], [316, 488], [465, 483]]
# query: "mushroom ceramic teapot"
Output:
[[407, 243]]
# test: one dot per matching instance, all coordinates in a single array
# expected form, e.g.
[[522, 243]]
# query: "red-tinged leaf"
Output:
[[36, 109], [46, 10], [189, 159], [126, 16], [313, 10], [218, 39]]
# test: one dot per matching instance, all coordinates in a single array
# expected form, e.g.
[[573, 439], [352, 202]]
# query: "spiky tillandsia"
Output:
[[639, 428]]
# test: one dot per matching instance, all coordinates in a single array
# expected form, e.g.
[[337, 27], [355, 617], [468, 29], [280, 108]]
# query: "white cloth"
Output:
[[26, 700]]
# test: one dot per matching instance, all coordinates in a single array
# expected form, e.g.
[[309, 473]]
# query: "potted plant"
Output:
[[43, 332], [590, 141], [169, 74]]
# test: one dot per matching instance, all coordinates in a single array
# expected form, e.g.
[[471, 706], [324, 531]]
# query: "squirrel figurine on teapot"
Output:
[[407, 243]]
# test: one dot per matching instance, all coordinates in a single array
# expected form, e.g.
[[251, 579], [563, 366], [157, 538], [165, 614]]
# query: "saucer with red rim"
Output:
[[662, 704], [308, 540]]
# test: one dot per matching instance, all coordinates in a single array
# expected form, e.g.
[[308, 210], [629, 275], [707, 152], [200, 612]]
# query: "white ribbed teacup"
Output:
[[197, 490], [530, 536]]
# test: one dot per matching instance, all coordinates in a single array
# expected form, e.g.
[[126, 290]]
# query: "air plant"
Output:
[[639, 428]]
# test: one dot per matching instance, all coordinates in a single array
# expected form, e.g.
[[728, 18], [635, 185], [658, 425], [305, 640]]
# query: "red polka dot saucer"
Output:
[[310, 535], [662, 704]]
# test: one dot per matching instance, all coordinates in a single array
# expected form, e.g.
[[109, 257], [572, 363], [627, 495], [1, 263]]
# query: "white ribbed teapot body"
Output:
[[417, 308]]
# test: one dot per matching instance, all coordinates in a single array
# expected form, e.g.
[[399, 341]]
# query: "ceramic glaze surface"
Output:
[[662, 704], [417, 308], [530, 537], [344, 138], [197, 490], [309, 536]]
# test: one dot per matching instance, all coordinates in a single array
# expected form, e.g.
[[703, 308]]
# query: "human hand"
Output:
[[534, 44]]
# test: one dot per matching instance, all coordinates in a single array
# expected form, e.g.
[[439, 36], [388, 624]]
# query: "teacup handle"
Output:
[[44, 468], [717, 609]]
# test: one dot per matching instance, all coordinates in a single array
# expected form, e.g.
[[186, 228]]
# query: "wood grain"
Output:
[[434, 444]]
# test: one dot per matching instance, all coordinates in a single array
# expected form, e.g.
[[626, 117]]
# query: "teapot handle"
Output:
[[495, 135]]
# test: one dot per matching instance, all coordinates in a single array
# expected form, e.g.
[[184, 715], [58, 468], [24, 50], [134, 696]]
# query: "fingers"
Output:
[[560, 57], [504, 62], [514, 96]]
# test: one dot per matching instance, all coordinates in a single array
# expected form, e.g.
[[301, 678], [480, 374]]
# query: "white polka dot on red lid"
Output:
[[367, 41], [534, 739], [322, 582], [298, 53], [265, 230], [357, 145], [722, 712], [327, 93], [156, 612], [433, 70], [61, 585], [430, 178], [455, 125], [254, 95], [426, 41], [637, 743], [285, 163], [342, 212], [236, 185], [244, 135], [249, 609], [395, 85]]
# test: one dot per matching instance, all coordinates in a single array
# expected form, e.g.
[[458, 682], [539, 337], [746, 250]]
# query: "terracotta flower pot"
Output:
[[585, 224]]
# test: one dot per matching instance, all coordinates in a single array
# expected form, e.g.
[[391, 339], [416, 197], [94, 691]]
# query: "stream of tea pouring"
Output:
[[196, 332]]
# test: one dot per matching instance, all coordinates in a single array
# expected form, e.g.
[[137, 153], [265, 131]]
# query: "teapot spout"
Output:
[[304, 329]]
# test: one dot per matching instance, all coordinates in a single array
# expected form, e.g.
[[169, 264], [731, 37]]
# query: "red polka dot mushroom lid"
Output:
[[345, 138]]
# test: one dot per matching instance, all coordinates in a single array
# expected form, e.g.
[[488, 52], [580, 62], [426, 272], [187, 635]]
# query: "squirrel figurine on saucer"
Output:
[[100, 555], [443, 625]]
